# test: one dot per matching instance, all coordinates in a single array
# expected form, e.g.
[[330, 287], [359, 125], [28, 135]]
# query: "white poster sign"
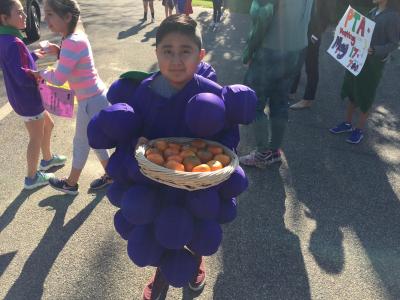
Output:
[[352, 40]]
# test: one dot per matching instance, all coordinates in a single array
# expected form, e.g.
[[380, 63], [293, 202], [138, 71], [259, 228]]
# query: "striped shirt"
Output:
[[76, 65]]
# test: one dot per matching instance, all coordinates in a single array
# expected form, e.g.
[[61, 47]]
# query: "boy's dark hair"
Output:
[[6, 7], [182, 24], [64, 7]]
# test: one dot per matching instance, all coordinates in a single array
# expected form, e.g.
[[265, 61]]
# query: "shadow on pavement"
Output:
[[347, 186], [29, 284], [9, 214], [133, 30], [223, 46], [261, 258], [5, 260]]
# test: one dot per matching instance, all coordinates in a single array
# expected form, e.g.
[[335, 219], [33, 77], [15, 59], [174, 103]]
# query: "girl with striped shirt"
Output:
[[76, 65]]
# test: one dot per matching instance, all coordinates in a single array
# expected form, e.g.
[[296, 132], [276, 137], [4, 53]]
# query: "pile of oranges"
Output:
[[196, 156]]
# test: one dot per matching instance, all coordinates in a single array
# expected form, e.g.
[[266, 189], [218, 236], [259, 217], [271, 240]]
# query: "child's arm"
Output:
[[18, 63], [70, 54], [393, 33]]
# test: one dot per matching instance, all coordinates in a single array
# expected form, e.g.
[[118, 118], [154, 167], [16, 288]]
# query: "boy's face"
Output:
[[178, 57]]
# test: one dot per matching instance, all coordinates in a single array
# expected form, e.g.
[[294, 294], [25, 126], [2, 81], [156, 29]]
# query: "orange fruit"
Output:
[[190, 162], [174, 165], [204, 155], [170, 151], [174, 145], [156, 158], [223, 158], [198, 144], [186, 153], [189, 147], [152, 151], [201, 168], [161, 145], [215, 149], [215, 165], [177, 158]]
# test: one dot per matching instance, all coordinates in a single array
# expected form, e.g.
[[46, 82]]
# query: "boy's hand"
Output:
[[371, 51], [141, 141]]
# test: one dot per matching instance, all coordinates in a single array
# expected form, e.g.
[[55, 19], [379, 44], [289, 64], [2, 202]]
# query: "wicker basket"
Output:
[[190, 181]]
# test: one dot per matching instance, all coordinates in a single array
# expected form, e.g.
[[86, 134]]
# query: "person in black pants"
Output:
[[217, 7], [319, 22]]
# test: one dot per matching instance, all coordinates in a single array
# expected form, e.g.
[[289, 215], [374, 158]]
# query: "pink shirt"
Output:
[[76, 65]]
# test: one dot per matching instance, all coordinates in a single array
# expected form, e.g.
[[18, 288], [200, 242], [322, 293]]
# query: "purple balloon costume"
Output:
[[162, 223]]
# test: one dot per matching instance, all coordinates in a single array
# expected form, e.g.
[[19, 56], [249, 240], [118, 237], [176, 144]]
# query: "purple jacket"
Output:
[[22, 91]]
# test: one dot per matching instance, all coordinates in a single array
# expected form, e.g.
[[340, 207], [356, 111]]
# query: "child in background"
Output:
[[361, 89], [146, 4], [169, 6], [76, 65], [23, 93]]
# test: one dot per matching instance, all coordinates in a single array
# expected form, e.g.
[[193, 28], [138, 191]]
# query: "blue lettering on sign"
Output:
[[341, 48]]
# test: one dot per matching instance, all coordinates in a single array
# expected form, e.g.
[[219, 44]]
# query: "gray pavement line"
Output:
[[5, 110]]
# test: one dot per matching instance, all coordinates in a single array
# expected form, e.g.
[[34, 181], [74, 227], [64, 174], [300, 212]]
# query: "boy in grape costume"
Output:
[[170, 228]]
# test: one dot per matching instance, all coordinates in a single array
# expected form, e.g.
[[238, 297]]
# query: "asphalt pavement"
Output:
[[325, 224]]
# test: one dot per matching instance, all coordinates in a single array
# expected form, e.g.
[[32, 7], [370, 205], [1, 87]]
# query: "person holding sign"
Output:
[[274, 54], [23, 94], [361, 89]]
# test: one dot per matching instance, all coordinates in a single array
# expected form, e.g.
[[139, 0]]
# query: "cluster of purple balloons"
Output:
[[165, 226]]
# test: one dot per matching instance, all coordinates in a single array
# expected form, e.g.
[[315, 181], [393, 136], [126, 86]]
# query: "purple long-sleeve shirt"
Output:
[[22, 90]]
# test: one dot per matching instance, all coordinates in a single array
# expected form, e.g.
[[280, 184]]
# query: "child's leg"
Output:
[[35, 130], [362, 120], [215, 11], [151, 4], [81, 147], [48, 128], [351, 108], [166, 11], [219, 11], [145, 6]]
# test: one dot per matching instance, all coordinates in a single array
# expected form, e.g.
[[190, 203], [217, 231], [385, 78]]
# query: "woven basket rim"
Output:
[[180, 179]]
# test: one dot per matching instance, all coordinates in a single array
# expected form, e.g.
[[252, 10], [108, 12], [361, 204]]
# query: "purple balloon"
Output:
[[120, 122], [122, 226], [206, 238], [143, 249], [115, 192], [133, 172], [116, 168], [172, 196], [174, 227], [203, 204], [179, 267], [240, 102], [140, 205], [236, 184], [228, 211], [96, 136], [121, 91], [205, 114]]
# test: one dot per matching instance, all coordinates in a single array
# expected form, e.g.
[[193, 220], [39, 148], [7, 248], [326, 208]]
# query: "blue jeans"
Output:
[[271, 74]]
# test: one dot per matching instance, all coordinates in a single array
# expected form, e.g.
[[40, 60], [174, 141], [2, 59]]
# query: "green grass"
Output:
[[203, 3]]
